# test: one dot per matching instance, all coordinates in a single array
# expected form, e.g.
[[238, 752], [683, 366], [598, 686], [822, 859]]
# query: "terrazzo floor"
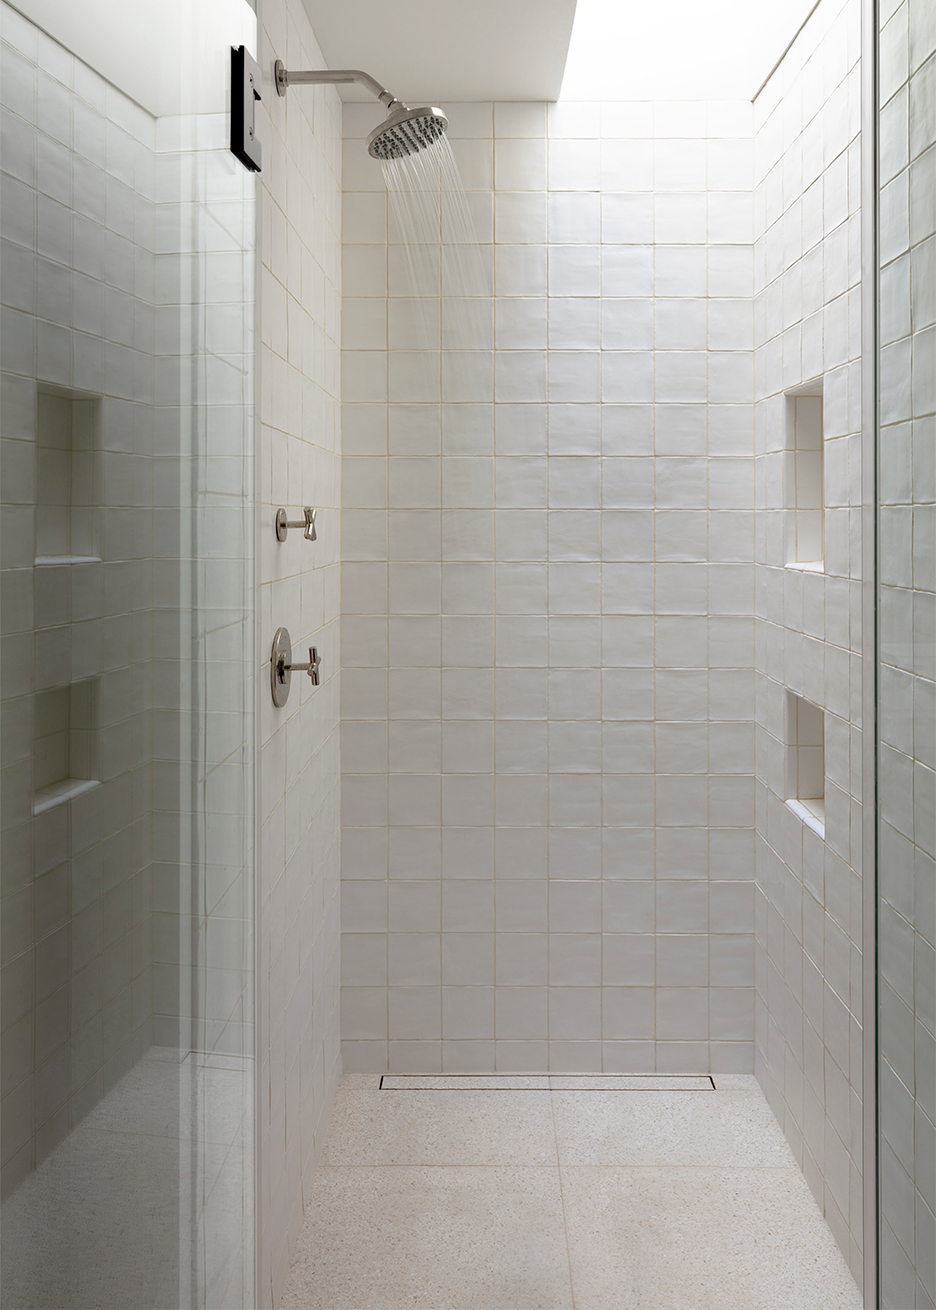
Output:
[[561, 1194], [148, 1185]]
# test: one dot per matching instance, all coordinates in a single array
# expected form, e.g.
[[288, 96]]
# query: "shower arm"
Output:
[[320, 77]]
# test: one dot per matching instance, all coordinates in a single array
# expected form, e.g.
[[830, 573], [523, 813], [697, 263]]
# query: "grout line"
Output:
[[789, 47], [565, 1222]]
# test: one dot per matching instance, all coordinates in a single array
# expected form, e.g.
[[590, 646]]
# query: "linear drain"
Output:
[[598, 1082]]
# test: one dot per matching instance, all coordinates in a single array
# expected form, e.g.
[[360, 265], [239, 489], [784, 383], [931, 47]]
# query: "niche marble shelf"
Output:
[[812, 812], [57, 560], [57, 793]]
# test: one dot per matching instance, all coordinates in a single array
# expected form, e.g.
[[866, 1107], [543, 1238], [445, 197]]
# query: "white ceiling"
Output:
[[425, 51], [432, 51]]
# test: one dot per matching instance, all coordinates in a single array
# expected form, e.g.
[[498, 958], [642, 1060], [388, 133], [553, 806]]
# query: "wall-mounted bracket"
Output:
[[285, 78], [245, 92]]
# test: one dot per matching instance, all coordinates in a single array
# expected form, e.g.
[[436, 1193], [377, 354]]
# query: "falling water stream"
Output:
[[431, 221]]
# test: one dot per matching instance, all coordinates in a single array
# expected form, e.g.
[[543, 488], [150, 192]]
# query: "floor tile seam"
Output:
[[562, 1203]]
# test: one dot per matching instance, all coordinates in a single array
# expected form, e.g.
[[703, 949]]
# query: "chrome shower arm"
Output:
[[285, 78]]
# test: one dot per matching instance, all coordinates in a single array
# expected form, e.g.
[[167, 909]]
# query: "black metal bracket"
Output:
[[245, 92]]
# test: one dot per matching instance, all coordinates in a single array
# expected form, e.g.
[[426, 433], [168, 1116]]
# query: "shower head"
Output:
[[406, 131]]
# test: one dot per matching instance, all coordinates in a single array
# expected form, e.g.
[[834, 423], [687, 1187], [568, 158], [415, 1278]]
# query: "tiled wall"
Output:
[[299, 771], [907, 723], [808, 331], [78, 297], [548, 598]]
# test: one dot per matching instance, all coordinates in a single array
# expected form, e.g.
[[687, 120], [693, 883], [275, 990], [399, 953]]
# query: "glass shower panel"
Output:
[[906, 926], [127, 280]]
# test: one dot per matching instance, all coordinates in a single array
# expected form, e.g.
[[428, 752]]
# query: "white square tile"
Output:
[[626, 165], [520, 216], [520, 164], [518, 119], [573, 165]]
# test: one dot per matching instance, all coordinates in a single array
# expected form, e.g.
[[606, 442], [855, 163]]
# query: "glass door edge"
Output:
[[869, 615]]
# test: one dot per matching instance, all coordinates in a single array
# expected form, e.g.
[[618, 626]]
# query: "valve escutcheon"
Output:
[[282, 668]]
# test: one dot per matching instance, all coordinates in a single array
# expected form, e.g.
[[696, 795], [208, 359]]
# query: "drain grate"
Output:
[[583, 1082]]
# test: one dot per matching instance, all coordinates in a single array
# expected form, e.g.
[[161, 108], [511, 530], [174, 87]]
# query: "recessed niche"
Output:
[[806, 761], [65, 743], [65, 427], [805, 501]]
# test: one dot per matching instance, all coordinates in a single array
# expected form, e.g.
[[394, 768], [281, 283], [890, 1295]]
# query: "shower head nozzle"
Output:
[[406, 131]]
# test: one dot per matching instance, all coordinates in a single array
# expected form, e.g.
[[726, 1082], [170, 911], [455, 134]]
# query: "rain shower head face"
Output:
[[406, 132]]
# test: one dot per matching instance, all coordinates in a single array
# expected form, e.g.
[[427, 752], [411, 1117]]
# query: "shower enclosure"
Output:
[[129, 666], [127, 569]]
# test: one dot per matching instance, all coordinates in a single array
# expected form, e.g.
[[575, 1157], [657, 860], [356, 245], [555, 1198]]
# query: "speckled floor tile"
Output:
[[667, 1128], [701, 1239], [434, 1200], [96, 1225], [441, 1128], [359, 1082], [432, 1239], [165, 1098], [737, 1082]]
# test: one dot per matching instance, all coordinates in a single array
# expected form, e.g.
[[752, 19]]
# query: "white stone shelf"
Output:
[[57, 793], [66, 559], [812, 812]]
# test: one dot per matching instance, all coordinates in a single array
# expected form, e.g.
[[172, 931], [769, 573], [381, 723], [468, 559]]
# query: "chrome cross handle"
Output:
[[312, 668], [282, 667], [307, 523]]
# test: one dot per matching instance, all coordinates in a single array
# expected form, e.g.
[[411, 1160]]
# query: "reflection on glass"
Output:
[[127, 282], [907, 669]]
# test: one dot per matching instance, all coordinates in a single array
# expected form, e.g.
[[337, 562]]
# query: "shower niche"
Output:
[[804, 478], [66, 422], [66, 740], [66, 744], [805, 780]]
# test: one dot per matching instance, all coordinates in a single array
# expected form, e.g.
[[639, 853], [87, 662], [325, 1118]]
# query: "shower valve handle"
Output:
[[282, 667], [312, 668], [307, 523]]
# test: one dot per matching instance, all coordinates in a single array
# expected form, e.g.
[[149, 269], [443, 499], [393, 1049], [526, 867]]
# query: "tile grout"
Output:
[[565, 1221]]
